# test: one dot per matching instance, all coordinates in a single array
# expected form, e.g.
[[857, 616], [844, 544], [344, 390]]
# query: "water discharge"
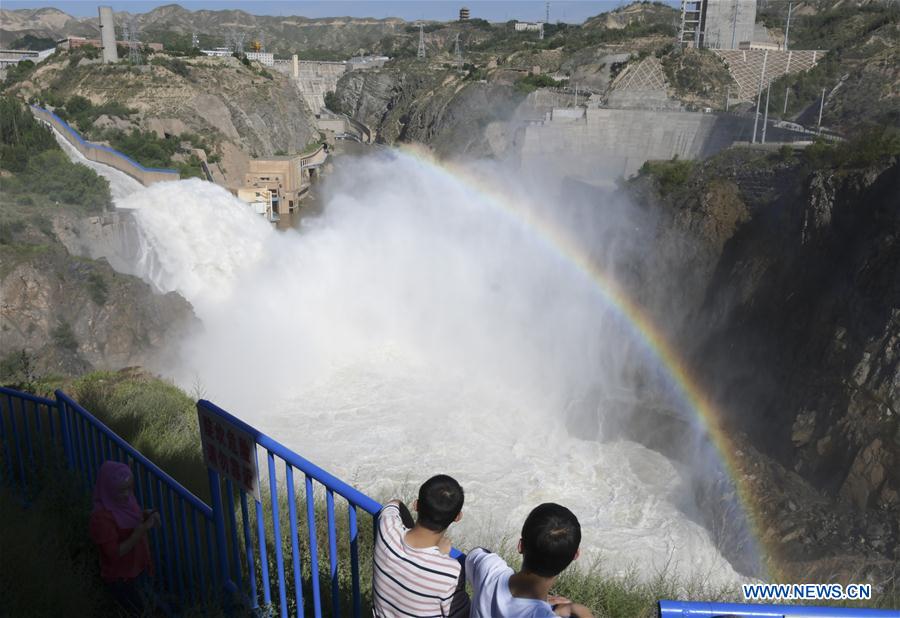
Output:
[[412, 329]]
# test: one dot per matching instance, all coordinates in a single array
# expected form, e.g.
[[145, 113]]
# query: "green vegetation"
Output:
[[697, 74], [670, 175], [872, 145], [332, 102], [156, 417], [97, 288], [64, 337], [175, 65], [42, 174], [530, 83], [321, 53], [84, 113], [21, 136], [862, 42], [33, 43], [19, 72]]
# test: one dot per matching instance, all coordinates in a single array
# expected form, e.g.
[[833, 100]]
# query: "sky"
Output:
[[570, 11]]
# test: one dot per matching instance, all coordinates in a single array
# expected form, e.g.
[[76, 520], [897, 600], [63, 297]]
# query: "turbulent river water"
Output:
[[414, 328]]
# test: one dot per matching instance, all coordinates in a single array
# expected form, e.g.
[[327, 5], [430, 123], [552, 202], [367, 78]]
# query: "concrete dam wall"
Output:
[[616, 142]]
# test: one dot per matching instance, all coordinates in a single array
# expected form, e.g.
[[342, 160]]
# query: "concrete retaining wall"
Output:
[[104, 154], [616, 142]]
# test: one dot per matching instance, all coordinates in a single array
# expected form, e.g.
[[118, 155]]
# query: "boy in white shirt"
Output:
[[550, 539]]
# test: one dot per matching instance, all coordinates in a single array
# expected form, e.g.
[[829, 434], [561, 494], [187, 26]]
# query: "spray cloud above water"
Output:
[[416, 328]]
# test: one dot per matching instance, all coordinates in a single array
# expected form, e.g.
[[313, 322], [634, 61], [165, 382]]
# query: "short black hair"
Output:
[[440, 501], [550, 539]]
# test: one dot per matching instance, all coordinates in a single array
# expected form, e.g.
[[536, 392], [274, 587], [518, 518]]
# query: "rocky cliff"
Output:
[[242, 110], [432, 106], [64, 315], [788, 296]]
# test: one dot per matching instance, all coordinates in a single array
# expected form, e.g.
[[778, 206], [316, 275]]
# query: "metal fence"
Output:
[[316, 571], [296, 551], [39, 436]]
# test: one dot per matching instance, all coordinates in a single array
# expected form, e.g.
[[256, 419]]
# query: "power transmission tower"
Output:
[[421, 52], [195, 40], [546, 14], [134, 45], [458, 53]]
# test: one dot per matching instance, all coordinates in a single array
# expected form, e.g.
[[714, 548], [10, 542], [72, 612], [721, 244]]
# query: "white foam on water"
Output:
[[414, 329]]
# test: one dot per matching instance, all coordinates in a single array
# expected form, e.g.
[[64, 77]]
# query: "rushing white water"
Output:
[[414, 329], [121, 184]]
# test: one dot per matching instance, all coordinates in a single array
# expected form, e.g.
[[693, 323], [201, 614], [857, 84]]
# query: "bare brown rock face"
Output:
[[792, 321], [71, 315], [237, 109]]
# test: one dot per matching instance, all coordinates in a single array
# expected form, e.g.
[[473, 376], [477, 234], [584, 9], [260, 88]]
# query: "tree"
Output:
[[332, 102]]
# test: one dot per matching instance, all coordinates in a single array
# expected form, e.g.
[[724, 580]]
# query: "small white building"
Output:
[[9, 57], [218, 52], [264, 58], [528, 26]]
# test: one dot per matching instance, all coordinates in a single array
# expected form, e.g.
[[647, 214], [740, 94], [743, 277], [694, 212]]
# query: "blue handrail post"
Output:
[[215, 492], [64, 429]]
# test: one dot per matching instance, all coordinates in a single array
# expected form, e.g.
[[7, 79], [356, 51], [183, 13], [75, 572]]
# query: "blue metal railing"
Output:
[[38, 433], [183, 548], [31, 431], [294, 579], [202, 551], [696, 609]]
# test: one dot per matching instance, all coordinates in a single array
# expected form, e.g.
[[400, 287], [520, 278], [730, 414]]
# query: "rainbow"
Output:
[[642, 328]]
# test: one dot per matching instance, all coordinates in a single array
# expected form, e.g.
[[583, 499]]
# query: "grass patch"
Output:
[[670, 175], [530, 83], [155, 417]]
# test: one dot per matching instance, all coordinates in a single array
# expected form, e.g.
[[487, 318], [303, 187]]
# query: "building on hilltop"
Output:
[[74, 42], [529, 26], [717, 24], [264, 58]]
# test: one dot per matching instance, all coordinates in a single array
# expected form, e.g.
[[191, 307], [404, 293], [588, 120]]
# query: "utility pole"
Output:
[[734, 19], [821, 107], [727, 96], [787, 90], [766, 115], [421, 52], [787, 28], [762, 74]]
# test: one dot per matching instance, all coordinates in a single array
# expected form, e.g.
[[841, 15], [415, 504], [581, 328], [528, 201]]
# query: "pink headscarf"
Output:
[[112, 476]]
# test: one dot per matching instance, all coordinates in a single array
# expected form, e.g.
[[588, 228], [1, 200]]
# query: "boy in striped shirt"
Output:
[[414, 574]]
